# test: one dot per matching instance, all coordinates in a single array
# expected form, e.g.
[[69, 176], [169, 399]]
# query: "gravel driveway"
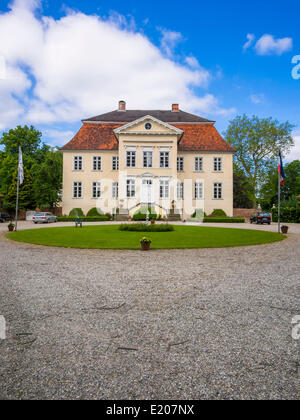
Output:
[[187, 324]]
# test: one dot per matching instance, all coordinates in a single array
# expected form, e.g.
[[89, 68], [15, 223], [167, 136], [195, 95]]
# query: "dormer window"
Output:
[[148, 126]]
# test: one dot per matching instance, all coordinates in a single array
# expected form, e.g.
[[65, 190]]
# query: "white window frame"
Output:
[[180, 190], [130, 158], [77, 163], [115, 163], [148, 158], [180, 164], [77, 190], [115, 190], [95, 164], [218, 164], [130, 187], [198, 190], [96, 189], [198, 164], [164, 159], [164, 189], [218, 191]]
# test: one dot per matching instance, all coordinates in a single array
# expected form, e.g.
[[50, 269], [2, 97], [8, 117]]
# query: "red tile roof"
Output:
[[94, 137], [196, 137], [199, 137]]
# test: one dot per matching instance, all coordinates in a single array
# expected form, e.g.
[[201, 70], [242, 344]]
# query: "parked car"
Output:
[[5, 217], [260, 218], [44, 218]]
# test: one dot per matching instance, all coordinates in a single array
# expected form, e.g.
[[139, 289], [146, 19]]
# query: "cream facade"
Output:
[[148, 169]]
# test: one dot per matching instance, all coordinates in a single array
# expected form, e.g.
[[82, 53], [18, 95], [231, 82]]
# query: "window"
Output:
[[77, 163], [130, 159], [148, 159], [218, 164], [115, 163], [96, 189], [148, 126], [198, 164], [180, 164], [198, 191], [97, 163], [130, 188], [217, 191], [77, 189], [164, 188], [180, 190], [164, 159], [115, 190]]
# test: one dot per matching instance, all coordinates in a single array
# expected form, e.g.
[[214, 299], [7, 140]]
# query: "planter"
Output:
[[11, 228], [284, 229], [145, 247], [152, 222]]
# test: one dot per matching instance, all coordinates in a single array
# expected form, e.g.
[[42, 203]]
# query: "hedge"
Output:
[[218, 213], [84, 219], [142, 227], [287, 215], [223, 220], [141, 216]]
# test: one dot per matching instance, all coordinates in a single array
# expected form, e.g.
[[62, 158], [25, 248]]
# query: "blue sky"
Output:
[[66, 62]]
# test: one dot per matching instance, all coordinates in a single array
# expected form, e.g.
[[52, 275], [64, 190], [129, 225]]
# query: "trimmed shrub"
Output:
[[140, 215], [218, 213], [84, 219], [198, 214], [76, 213], [223, 220], [94, 212], [142, 227]]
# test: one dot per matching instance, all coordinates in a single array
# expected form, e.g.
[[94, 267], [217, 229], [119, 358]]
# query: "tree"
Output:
[[289, 192], [27, 137], [242, 198], [47, 179], [26, 199], [257, 142]]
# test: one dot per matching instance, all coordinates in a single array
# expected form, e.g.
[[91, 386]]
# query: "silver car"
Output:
[[44, 218]]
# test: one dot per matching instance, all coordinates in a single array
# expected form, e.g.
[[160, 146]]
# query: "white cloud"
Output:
[[58, 137], [268, 45], [169, 41], [257, 98], [79, 66], [295, 153], [250, 41]]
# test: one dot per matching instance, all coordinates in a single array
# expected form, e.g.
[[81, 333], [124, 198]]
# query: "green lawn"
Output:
[[110, 237]]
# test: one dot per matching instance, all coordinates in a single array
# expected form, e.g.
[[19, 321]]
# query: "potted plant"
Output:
[[11, 227], [152, 221], [145, 243], [284, 229]]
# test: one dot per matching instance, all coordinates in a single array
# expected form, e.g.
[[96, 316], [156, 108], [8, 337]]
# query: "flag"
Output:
[[281, 170], [20, 167]]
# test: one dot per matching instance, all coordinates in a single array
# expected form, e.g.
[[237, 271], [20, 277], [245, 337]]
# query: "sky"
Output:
[[63, 62]]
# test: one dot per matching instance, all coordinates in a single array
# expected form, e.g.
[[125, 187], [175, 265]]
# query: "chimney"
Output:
[[175, 108], [122, 106]]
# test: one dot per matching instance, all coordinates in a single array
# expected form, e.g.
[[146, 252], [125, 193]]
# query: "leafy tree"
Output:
[[257, 142], [27, 137], [47, 179], [291, 189], [26, 199], [242, 196]]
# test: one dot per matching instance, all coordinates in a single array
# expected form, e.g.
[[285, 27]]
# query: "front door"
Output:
[[147, 191]]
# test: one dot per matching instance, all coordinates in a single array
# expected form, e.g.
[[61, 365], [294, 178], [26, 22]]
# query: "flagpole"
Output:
[[17, 202], [279, 198]]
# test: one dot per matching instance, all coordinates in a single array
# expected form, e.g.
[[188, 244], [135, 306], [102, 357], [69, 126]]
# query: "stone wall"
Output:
[[246, 213]]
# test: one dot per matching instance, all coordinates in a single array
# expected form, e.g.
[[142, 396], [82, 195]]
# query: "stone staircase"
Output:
[[174, 217], [123, 216]]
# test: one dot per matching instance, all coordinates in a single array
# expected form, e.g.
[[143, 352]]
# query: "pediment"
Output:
[[140, 127]]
